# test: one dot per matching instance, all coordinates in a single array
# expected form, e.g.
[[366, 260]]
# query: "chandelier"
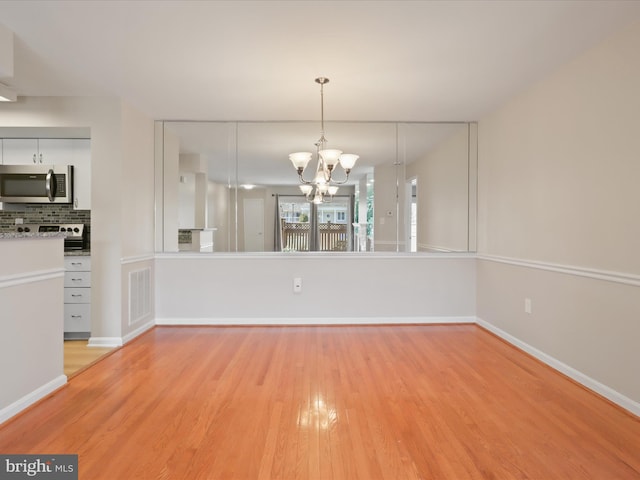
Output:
[[323, 186]]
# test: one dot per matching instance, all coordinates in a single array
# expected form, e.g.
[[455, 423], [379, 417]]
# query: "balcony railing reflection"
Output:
[[332, 237]]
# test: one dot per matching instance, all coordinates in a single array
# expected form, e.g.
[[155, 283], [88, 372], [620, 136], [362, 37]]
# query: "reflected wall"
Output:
[[218, 185]]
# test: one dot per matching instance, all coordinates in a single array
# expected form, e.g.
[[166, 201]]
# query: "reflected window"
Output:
[[304, 226], [334, 228], [294, 224]]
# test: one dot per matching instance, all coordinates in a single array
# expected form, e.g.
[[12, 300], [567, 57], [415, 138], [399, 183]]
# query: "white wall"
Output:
[[31, 321], [218, 214], [349, 288], [388, 219], [559, 203], [443, 195], [192, 191], [169, 196], [137, 179], [137, 207], [187, 200]]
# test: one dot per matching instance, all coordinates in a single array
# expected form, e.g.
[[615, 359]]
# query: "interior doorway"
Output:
[[305, 226], [334, 225], [253, 224], [411, 205]]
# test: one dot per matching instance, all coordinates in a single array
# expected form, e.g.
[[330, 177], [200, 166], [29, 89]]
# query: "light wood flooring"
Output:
[[78, 356], [336, 402]]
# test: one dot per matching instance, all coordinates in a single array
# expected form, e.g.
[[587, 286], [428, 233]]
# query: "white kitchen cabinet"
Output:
[[29, 151], [82, 174], [76, 152], [77, 297], [55, 151], [20, 151]]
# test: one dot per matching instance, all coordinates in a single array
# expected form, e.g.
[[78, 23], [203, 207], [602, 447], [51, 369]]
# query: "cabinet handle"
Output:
[[76, 316], [40, 158], [34, 158], [76, 279], [76, 294], [76, 263]]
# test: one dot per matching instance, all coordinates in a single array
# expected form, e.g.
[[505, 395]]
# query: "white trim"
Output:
[[389, 242], [109, 342], [581, 378], [138, 331], [32, 397], [313, 320], [137, 259], [30, 277], [311, 255], [425, 247], [606, 275]]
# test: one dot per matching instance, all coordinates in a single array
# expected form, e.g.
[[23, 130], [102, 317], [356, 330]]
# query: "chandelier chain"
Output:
[[322, 187]]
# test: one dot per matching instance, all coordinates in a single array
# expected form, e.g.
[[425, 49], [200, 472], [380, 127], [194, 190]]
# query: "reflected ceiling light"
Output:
[[7, 94], [323, 186], [248, 186]]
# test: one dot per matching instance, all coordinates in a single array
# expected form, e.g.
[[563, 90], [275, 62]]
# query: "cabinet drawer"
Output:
[[76, 264], [77, 279], [77, 295], [77, 317]]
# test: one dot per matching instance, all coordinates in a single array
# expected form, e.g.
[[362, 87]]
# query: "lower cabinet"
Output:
[[77, 297]]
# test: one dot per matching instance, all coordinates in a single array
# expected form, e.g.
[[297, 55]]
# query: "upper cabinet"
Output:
[[55, 151], [20, 151]]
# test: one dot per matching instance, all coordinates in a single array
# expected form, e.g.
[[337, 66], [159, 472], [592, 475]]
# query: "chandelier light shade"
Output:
[[323, 186]]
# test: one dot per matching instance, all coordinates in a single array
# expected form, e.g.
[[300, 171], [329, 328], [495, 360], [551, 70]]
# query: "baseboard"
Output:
[[138, 331], [314, 321], [581, 378], [31, 398], [108, 342]]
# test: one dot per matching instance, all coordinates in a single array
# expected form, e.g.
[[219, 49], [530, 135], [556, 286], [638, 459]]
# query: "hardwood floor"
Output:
[[339, 402], [78, 356]]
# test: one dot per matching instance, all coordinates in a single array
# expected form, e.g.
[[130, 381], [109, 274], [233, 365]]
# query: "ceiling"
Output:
[[256, 60]]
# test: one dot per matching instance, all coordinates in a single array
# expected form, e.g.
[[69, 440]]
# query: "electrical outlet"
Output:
[[297, 285], [527, 305]]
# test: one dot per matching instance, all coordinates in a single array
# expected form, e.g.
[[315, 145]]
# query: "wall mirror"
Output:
[[230, 187]]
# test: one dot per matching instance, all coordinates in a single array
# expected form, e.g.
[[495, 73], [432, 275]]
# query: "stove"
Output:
[[73, 233]]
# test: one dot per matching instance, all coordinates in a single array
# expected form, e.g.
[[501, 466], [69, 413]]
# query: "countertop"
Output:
[[30, 235], [78, 253], [18, 235]]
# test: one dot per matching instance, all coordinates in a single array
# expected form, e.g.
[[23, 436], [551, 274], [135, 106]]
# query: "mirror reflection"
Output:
[[230, 187]]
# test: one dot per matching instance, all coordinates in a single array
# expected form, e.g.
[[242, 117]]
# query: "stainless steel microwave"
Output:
[[36, 183]]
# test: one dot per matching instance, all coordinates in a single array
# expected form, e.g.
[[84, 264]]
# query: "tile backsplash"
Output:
[[184, 236], [45, 214]]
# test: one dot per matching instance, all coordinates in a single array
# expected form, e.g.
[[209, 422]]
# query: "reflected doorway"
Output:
[[334, 225], [294, 223], [253, 225], [412, 214], [325, 227]]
